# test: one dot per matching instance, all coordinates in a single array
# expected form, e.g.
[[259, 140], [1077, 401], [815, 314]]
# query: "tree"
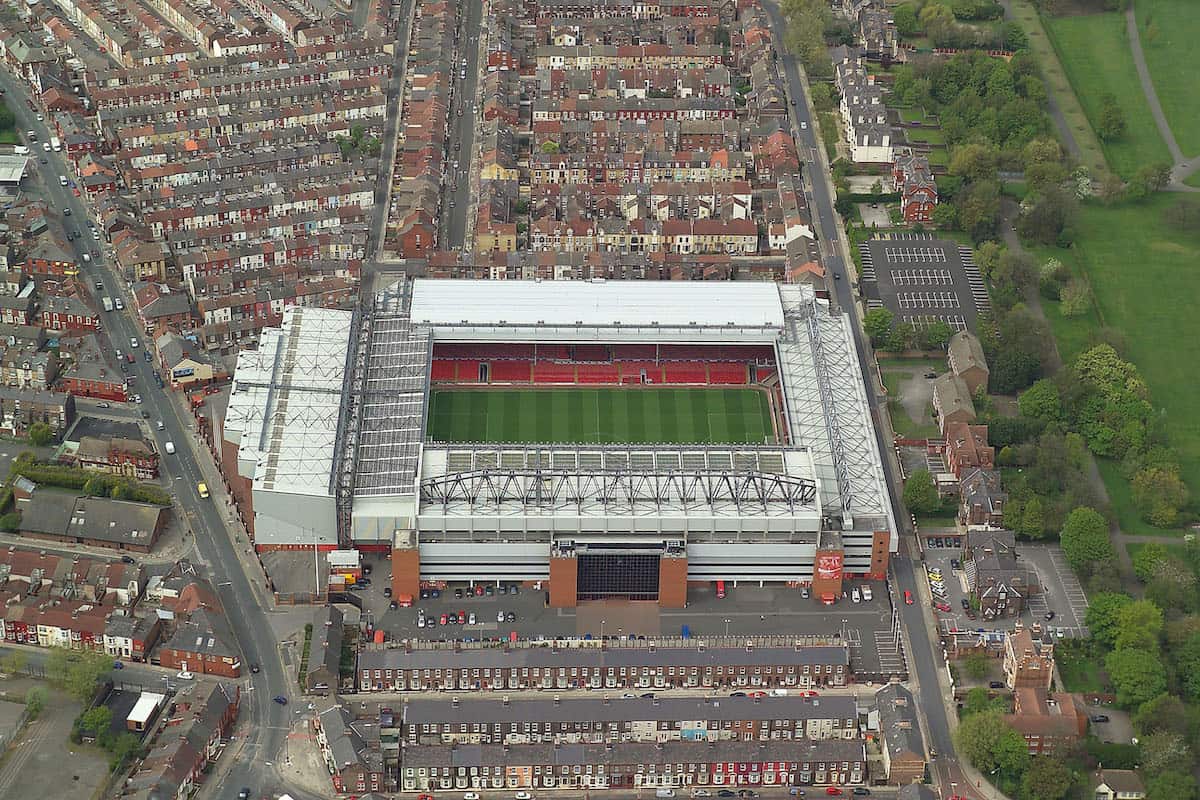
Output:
[[978, 700], [35, 700], [1147, 559], [905, 17], [976, 665], [96, 719], [945, 216], [974, 162], [987, 741], [1084, 538], [934, 336], [1041, 401], [987, 257], [823, 97], [1139, 625], [920, 493], [1148, 180], [1046, 779], [1165, 713], [1103, 615], [549, 147], [1165, 752], [979, 208], [41, 434], [1112, 119], [124, 747], [878, 324], [1076, 299], [14, 663], [1111, 188], [1049, 216], [1138, 676], [1171, 786], [1033, 519], [77, 672], [1160, 494]]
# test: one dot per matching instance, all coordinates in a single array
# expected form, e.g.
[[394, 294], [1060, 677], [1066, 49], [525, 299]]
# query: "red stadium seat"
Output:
[[598, 373], [685, 373], [553, 352], [592, 352], [728, 374], [510, 371], [443, 371], [634, 352], [484, 352], [553, 373]]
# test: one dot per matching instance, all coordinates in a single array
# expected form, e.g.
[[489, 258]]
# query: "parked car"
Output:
[[966, 604], [995, 684], [861, 790], [281, 700], [185, 676], [908, 597], [1049, 615], [1100, 718], [832, 790], [129, 559], [522, 796], [726, 793], [119, 665], [255, 668]]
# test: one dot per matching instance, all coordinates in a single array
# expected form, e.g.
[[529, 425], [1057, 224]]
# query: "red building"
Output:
[[204, 645], [68, 313], [48, 258], [84, 371], [918, 191]]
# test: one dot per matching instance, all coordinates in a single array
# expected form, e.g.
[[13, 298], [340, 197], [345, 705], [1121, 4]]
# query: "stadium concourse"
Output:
[[604, 439]]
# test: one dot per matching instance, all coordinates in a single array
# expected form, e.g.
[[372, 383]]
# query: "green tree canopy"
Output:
[[1103, 616], [35, 700], [78, 672], [1171, 786], [1085, 539], [1047, 778], [878, 323], [1139, 626], [1041, 401], [920, 493], [96, 719], [988, 742], [1138, 676]]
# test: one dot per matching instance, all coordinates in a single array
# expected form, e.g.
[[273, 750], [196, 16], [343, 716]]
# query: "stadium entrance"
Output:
[[618, 571]]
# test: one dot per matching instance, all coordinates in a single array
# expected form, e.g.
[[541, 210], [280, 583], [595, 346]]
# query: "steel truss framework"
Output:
[[621, 480], [622, 491], [827, 406]]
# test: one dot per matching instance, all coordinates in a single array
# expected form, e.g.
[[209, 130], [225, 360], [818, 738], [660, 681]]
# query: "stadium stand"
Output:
[[511, 371], [544, 372], [592, 353], [685, 373], [552, 352], [634, 352], [489, 352], [598, 373], [731, 374], [441, 370], [764, 374]]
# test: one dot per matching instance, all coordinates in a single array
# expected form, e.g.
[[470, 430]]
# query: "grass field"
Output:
[[598, 416], [1155, 312], [925, 135], [1170, 34], [1095, 52]]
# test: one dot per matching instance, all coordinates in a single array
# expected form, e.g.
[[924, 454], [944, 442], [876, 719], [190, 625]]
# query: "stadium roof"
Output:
[[286, 398], [615, 305]]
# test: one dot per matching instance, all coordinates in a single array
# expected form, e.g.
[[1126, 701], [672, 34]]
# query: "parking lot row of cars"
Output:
[[458, 618]]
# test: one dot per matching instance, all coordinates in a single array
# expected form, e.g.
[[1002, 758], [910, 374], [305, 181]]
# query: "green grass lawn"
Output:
[[1080, 670], [636, 416], [925, 135], [1095, 52], [939, 156], [1193, 179], [1170, 34], [1144, 278], [910, 115]]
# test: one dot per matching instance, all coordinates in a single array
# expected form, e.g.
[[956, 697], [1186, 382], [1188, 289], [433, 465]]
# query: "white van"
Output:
[[170, 448], [87, 258], [665, 793], [62, 180]]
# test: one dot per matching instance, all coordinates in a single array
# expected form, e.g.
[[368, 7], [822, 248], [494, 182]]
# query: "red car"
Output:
[[809, 693], [757, 694], [444, 620], [833, 790], [462, 618], [479, 591], [943, 607], [908, 597]]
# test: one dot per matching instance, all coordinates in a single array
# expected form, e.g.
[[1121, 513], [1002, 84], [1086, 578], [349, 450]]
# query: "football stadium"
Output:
[[609, 439]]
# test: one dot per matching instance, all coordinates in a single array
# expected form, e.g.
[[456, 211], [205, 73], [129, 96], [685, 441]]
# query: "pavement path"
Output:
[[1182, 167]]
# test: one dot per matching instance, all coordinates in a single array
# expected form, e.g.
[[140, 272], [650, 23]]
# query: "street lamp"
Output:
[[602, 629], [727, 621]]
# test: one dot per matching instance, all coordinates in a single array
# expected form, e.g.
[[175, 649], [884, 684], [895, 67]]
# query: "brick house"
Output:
[[967, 448], [351, 750], [131, 637], [1050, 722], [49, 259], [21, 408], [17, 309], [913, 181], [86, 372], [117, 456], [902, 745], [203, 644], [67, 313], [1028, 658], [965, 357], [952, 400], [982, 499]]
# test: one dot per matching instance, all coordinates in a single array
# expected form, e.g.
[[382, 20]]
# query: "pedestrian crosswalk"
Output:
[[979, 291]]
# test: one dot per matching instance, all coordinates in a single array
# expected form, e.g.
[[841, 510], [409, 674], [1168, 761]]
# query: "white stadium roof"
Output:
[[463, 305], [286, 399]]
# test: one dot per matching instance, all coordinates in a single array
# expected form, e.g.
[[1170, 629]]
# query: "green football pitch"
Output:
[[601, 416]]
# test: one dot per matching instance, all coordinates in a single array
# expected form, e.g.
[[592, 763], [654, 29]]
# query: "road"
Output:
[[266, 722], [456, 188], [923, 661]]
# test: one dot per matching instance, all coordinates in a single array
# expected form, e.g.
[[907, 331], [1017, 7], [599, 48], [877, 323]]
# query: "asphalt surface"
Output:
[[456, 202], [268, 722], [923, 663]]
